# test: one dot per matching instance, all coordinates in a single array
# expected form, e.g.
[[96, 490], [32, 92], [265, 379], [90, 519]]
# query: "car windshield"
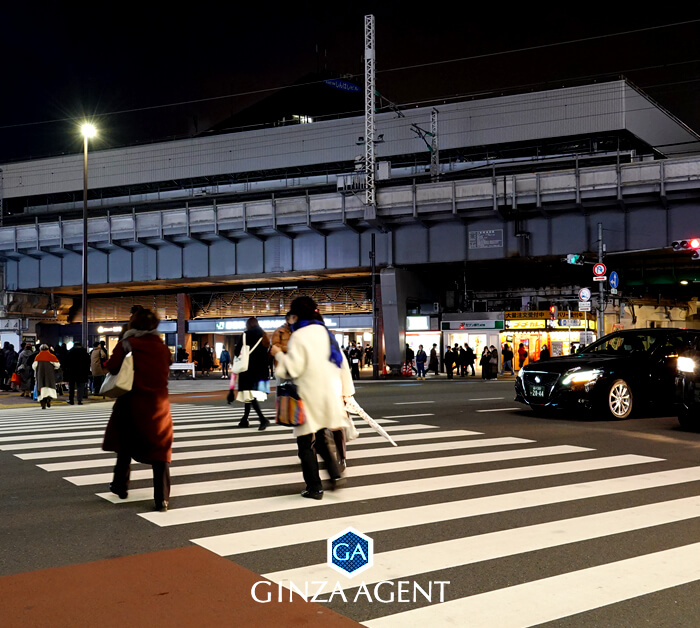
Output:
[[623, 344]]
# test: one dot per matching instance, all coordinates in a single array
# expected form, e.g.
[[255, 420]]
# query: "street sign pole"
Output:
[[601, 288]]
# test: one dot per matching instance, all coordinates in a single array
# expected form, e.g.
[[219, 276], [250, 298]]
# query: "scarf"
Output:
[[46, 356], [336, 356]]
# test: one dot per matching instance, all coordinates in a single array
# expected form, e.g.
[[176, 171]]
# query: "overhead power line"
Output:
[[397, 69]]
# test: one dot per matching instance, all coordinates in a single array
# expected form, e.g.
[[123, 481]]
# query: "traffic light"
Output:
[[692, 244], [553, 312], [574, 259]]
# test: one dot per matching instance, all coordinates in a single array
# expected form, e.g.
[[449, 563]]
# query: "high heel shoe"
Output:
[[162, 506]]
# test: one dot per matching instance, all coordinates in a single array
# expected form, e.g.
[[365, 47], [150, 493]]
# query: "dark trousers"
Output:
[[449, 368], [256, 407], [224, 369], [420, 366], [161, 477], [355, 370], [97, 381], [339, 440], [311, 445], [74, 387]]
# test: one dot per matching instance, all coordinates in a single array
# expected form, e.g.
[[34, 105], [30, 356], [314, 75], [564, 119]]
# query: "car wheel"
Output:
[[685, 418], [619, 400]]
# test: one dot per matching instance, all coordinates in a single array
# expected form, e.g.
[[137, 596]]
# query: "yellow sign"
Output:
[[514, 316], [526, 324]]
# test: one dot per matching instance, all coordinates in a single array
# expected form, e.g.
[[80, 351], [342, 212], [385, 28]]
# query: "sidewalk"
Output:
[[182, 587]]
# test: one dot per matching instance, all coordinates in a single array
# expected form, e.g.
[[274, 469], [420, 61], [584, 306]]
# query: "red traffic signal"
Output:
[[684, 245], [553, 311]]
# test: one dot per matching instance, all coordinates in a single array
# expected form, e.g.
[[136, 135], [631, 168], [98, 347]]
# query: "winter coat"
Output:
[[24, 368], [141, 424], [469, 358], [77, 366], [96, 358], [280, 337], [421, 357], [433, 364], [225, 357], [45, 365], [320, 383], [258, 369]]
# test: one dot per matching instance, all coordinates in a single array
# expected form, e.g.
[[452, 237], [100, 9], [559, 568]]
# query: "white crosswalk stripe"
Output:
[[430, 463]]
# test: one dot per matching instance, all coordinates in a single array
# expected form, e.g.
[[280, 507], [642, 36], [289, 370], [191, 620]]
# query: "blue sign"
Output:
[[350, 552], [614, 279], [346, 86]]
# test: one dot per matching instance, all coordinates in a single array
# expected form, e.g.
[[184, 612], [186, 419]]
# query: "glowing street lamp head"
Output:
[[88, 130]]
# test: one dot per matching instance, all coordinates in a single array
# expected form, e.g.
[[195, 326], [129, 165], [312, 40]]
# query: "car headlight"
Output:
[[582, 377], [686, 365]]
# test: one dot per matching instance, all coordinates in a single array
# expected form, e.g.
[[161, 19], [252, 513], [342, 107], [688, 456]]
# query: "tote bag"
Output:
[[240, 362], [121, 383], [289, 408]]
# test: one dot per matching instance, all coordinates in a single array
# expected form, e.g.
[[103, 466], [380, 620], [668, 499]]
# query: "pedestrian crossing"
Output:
[[236, 493]]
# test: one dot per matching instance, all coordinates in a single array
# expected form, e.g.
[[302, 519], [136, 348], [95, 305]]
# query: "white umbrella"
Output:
[[354, 408]]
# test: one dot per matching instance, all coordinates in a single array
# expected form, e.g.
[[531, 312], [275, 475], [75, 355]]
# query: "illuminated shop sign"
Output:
[[268, 324], [109, 330], [526, 324]]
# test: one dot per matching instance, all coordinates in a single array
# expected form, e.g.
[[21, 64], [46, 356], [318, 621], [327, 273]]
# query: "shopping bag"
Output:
[[240, 362], [121, 383], [289, 408], [16, 379]]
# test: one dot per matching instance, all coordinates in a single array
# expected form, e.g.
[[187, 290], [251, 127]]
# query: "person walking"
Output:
[[45, 366], [11, 366], [224, 360], [484, 363], [507, 354], [141, 426], [449, 363], [77, 371], [253, 384], [433, 364], [320, 370], [98, 360], [24, 370], [522, 355], [469, 359], [410, 356], [421, 358], [493, 363], [355, 357]]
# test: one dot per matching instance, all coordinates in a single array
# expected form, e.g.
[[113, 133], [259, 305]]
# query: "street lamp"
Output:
[[88, 131]]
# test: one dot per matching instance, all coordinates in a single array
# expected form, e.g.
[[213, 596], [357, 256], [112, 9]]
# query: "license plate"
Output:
[[537, 391]]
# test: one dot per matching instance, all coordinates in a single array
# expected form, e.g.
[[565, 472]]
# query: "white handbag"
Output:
[[240, 362], [121, 383]]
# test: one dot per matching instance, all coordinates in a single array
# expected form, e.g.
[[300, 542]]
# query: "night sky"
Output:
[[65, 61]]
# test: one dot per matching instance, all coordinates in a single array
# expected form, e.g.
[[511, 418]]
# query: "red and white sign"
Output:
[[599, 270]]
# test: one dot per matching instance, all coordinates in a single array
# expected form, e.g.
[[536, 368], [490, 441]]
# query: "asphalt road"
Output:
[[558, 521]]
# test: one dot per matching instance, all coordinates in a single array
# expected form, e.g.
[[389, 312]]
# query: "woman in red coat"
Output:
[[141, 426]]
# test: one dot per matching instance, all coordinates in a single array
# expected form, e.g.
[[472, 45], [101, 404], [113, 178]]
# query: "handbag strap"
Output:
[[255, 346]]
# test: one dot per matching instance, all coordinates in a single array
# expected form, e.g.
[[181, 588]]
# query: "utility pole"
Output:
[[434, 148], [601, 287], [375, 314], [370, 68]]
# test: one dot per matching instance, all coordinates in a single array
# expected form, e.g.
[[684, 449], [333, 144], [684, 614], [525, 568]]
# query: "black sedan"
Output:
[[688, 387], [612, 376]]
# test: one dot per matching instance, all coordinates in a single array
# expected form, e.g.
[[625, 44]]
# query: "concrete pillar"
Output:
[[397, 285], [184, 313]]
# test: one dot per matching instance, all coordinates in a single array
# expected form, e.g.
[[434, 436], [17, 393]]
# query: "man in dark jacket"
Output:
[[355, 357], [77, 372]]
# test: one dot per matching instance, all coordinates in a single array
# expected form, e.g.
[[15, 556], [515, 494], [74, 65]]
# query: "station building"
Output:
[[210, 230]]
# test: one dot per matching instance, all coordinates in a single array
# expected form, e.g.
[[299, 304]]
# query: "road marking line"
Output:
[[241, 508], [498, 410], [290, 446], [311, 531], [421, 559], [487, 399], [568, 594], [410, 403], [405, 416], [233, 440], [360, 471], [215, 486]]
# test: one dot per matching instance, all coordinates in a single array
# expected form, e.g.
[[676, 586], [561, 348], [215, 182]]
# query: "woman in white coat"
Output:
[[322, 376]]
